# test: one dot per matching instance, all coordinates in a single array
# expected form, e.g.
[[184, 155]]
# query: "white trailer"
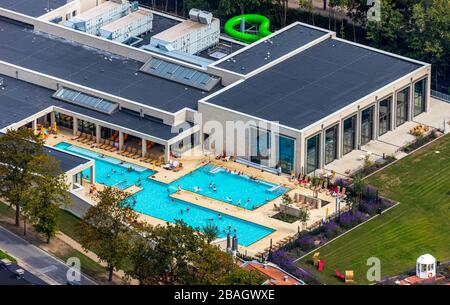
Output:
[[92, 20], [134, 24], [190, 36]]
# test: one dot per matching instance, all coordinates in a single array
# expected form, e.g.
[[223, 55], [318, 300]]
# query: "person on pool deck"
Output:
[[179, 188]]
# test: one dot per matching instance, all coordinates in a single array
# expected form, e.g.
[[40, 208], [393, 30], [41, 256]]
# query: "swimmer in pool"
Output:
[[229, 199], [220, 216], [187, 209], [108, 175], [214, 188], [239, 202]]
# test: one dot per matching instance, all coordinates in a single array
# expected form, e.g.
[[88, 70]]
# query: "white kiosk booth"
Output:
[[426, 266]]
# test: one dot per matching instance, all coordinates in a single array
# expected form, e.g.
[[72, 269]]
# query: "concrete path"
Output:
[[35, 260]]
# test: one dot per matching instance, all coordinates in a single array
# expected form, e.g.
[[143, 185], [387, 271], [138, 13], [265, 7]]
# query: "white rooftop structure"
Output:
[[426, 266]]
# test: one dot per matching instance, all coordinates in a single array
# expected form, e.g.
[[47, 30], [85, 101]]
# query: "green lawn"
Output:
[[68, 223], [5, 255], [419, 224]]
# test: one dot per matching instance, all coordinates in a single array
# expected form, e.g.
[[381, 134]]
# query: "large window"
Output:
[[63, 120], [86, 127], [402, 106], [384, 114], [286, 148], [331, 142], [420, 96], [260, 146], [349, 135], [313, 153], [367, 125]]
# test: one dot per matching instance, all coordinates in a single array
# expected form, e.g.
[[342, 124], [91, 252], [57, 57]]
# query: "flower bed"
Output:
[[285, 217], [308, 241], [420, 141]]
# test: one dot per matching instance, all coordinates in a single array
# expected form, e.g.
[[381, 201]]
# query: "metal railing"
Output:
[[441, 96]]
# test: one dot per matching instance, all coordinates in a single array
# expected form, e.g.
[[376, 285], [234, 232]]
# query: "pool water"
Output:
[[154, 199], [229, 187]]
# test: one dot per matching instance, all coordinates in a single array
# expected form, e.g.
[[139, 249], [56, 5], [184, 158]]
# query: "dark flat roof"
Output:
[[278, 45], [314, 83], [19, 100], [92, 68], [33, 8], [66, 161]]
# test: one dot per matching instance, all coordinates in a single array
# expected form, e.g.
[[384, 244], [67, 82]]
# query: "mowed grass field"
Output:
[[419, 224]]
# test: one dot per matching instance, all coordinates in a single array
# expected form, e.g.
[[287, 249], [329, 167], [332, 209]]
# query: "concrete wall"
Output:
[[78, 206], [215, 114]]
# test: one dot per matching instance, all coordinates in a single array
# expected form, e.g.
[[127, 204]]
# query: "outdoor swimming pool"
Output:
[[154, 199], [217, 183]]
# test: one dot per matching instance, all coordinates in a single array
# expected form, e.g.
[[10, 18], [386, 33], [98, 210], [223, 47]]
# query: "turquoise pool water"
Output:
[[229, 187], [154, 199]]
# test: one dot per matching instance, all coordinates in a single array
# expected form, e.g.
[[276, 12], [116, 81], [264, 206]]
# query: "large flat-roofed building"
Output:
[[303, 94]]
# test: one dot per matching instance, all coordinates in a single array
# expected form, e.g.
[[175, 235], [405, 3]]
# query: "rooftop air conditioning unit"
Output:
[[205, 17], [134, 6], [193, 14]]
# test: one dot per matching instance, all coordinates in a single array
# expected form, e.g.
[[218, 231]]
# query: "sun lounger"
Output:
[[113, 148], [138, 154], [129, 152], [100, 143], [77, 136]]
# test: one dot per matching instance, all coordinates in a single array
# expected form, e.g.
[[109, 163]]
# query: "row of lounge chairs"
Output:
[[84, 138], [127, 151]]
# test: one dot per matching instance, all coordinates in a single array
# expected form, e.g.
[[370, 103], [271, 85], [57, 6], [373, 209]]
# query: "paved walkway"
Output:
[[35, 260], [74, 244]]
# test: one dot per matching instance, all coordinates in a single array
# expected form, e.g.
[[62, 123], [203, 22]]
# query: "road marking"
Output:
[[48, 269]]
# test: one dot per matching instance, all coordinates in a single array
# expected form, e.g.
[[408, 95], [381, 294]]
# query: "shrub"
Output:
[[370, 192], [349, 219], [369, 206], [285, 262], [306, 242], [331, 230]]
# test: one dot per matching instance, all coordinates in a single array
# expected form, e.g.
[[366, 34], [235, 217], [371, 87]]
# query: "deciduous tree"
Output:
[[106, 227]]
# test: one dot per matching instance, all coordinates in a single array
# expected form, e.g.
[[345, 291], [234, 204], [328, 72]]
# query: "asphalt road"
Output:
[[36, 260]]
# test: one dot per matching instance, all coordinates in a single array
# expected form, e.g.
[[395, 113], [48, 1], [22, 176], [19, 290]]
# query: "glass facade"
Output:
[[402, 106], [349, 136], [312, 153], [260, 146], [86, 127], [367, 125], [420, 96], [331, 144], [286, 148], [384, 116], [63, 120]]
